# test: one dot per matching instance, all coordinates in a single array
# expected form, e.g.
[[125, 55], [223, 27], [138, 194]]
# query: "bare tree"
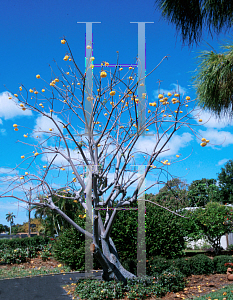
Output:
[[93, 154]]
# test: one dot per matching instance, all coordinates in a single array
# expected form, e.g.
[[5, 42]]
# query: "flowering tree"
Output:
[[88, 144]]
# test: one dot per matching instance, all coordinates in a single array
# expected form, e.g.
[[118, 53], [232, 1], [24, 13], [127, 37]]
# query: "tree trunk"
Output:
[[109, 259]]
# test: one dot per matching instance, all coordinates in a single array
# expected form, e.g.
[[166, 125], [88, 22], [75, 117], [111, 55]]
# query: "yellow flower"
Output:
[[21, 104], [177, 156], [169, 94], [63, 41], [22, 156], [26, 173], [88, 47], [181, 111], [10, 97], [16, 95], [160, 96], [44, 167], [36, 154], [120, 69], [56, 80], [112, 93], [20, 88], [177, 95], [187, 98], [50, 129], [67, 73], [92, 58], [203, 144], [200, 120], [59, 266], [103, 74], [37, 76], [21, 177], [106, 64], [31, 91], [16, 129], [15, 125], [66, 57], [25, 135], [149, 111], [35, 92]]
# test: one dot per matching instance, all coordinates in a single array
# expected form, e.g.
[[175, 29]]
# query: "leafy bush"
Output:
[[164, 233], [219, 262], [183, 264], [156, 265], [36, 241], [15, 256], [201, 264], [172, 279], [130, 265]]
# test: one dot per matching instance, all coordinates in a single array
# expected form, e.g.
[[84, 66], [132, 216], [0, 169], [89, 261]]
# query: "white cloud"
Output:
[[3, 131], [8, 171], [209, 120], [217, 138], [10, 109], [43, 124], [173, 147], [222, 161], [175, 88]]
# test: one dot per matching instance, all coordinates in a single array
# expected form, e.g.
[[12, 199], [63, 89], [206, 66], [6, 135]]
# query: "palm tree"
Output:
[[10, 218], [192, 16], [214, 81]]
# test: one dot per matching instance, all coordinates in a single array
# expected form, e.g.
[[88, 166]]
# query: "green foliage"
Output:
[[15, 256], [225, 178], [137, 288], [164, 233], [130, 265], [213, 80], [156, 265], [124, 234], [201, 264], [212, 222], [173, 195], [183, 265], [24, 242], [3, 228], [219, 262], [172, 279], [201, 192], [193, 17]]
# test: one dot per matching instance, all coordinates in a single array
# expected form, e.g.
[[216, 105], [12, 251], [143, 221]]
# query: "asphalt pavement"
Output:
[[46, 287]]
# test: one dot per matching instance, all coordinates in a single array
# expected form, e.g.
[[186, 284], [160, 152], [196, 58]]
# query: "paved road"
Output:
[[47, 287]]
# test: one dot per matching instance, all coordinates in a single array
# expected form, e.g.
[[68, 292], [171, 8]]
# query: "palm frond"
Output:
[[214, 81]]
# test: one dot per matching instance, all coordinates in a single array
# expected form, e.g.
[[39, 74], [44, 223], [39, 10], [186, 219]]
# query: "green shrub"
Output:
[[156, 265], [130, 265], [36, 241], [230, 247], [164, 233], [183, 264], [219, 262], [201, 264], [172, 279]]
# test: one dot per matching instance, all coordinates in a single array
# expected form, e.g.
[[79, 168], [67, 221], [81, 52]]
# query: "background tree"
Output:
[[225, 179], [191, 18], [211, 223], [4, 228], [92, 142], [201, 192], [173, 194], [10, 218]]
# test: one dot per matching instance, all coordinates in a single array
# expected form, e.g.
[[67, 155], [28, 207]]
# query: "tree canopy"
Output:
[[192, 17]]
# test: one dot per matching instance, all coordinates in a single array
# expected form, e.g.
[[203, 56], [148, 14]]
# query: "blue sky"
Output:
[[30, 39]]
